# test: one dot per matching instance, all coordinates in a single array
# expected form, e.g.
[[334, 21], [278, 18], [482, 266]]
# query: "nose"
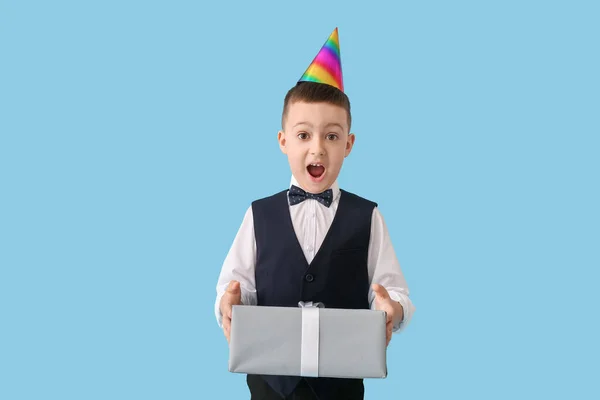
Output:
[[316, 147]]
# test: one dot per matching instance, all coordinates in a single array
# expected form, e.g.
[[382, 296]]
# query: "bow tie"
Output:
[[297, 195]]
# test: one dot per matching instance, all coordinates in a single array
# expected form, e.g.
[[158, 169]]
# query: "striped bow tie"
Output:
[[297, 195]]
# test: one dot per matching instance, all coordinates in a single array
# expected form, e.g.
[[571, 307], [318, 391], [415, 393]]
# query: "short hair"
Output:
[[312, 92]]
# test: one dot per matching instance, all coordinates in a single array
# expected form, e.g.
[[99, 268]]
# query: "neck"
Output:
[[333, 186]]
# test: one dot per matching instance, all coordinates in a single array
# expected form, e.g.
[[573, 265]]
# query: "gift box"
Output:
[[308, 341]]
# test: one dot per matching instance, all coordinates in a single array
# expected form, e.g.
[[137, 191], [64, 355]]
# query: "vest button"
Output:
[[309, 277]]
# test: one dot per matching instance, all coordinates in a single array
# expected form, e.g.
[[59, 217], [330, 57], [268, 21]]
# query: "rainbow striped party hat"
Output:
[[327, 65]]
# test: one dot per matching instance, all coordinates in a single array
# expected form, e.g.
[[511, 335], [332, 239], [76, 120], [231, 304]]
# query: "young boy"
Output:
[[314, 241]]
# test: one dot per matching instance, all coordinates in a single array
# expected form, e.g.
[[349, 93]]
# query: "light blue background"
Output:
[[134, 135]]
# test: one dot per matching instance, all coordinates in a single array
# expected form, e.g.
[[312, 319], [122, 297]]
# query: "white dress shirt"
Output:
[[311, 221]]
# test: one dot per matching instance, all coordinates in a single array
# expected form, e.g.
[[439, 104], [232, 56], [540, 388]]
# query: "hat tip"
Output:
[[326, 67]]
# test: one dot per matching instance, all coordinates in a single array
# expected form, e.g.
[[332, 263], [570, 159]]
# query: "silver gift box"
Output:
[[308, 341]]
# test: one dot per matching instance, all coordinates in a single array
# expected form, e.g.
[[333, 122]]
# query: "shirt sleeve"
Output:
[[384, 269], [239, 265]]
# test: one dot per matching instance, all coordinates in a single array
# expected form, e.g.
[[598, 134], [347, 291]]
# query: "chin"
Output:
[[319, 180], [317, 185]]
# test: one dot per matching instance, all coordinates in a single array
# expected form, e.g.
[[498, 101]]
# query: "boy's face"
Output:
[[316, 141]]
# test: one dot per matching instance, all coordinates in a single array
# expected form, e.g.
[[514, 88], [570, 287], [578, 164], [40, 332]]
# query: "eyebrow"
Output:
[[302, 123], [335, 124], [329, 124]]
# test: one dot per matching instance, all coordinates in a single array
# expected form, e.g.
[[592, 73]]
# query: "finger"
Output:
[[234, 288], [225, 304], [226, 308], [227, 330], [380, 291]]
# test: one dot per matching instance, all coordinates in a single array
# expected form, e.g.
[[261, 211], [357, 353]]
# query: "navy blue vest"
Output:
[[337, 276]]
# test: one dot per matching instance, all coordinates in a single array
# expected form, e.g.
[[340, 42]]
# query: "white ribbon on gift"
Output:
[[309, 350]]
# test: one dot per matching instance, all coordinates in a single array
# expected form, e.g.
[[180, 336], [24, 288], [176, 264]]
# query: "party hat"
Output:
[[327, 65]]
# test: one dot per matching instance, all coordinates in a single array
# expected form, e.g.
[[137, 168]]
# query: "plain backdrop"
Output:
[[135, 134]]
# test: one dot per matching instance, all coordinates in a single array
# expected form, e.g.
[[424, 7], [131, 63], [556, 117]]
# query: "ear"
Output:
[[350, 143], [281, 140]]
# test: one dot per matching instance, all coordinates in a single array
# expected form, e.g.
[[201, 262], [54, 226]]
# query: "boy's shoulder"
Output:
[[355, 198], [271, 198]]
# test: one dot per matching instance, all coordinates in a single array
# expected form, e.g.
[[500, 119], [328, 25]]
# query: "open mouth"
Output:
[[316, 170]]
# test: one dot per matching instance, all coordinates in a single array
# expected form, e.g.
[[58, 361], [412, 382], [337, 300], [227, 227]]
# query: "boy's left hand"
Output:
[[383, 302]]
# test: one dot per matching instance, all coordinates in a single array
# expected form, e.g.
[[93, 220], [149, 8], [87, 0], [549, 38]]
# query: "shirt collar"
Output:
[[334, 187]]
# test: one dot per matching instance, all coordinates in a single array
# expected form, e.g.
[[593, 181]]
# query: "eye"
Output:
[[332, 136], [302, 135]]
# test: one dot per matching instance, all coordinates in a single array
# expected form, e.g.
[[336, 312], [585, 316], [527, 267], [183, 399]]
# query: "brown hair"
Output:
[[312, 92]]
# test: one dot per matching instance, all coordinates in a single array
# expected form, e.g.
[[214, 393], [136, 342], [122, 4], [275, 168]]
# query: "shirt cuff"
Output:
[[407, 308]]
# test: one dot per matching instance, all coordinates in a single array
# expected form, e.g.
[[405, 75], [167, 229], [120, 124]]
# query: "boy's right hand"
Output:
[[231, 297]]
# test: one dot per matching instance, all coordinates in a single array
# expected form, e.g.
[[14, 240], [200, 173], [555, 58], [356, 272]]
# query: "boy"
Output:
[[314, 241]]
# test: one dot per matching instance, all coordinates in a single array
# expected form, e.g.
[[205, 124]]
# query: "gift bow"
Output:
[[306, 304], [309, 347]]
